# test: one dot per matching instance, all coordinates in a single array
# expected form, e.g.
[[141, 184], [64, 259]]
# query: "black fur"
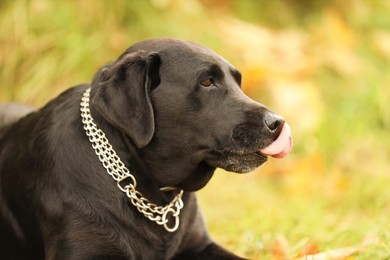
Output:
[[58, 202]]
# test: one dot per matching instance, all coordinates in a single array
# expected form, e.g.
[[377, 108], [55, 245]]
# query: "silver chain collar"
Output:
[[118, 171]]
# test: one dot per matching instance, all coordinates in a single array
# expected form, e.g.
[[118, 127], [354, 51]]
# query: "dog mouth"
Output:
[[279, 148], [246, 161]]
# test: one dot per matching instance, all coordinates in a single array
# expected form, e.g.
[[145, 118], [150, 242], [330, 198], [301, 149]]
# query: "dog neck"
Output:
[[126, 181]]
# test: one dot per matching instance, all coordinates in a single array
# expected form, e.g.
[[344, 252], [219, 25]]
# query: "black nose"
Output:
[[274, 122]]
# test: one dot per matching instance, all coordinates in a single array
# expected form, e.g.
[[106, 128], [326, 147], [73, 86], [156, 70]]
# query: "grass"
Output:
[[249, 213], [323, 66]]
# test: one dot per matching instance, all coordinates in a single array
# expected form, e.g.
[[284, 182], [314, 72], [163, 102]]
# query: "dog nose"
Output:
[[274, 122]]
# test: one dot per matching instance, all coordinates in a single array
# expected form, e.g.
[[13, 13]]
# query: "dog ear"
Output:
[[123, 94]]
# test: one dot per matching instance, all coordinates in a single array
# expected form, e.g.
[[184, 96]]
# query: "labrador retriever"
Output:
[[108, 170]]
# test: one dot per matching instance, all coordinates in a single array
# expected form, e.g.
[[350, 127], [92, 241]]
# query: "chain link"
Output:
[[118, 171]]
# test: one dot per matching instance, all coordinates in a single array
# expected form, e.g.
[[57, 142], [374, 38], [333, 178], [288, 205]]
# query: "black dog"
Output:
[[108, 170]]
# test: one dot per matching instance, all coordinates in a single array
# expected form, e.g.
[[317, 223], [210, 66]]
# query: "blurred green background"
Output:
[[323, 65]]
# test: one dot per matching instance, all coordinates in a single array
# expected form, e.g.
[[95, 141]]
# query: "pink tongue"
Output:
[[282, 146]]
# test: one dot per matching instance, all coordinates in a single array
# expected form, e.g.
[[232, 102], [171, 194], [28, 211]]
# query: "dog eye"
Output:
[[207, 83]]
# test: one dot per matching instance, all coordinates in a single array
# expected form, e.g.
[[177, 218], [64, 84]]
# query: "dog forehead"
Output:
[[180, 52]]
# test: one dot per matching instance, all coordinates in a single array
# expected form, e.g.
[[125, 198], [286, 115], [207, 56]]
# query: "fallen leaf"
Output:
[[335, 254], [309, 249], [280, 248]]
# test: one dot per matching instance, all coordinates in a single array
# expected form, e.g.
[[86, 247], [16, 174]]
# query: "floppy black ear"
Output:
[[123, 95]]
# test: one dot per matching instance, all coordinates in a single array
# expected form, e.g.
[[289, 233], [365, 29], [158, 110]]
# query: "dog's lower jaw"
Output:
[[238, 163]]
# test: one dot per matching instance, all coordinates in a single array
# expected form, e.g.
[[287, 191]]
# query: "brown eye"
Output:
[[207, 83]]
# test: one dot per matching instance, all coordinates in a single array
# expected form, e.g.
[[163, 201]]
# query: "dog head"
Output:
[[182, 106]]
